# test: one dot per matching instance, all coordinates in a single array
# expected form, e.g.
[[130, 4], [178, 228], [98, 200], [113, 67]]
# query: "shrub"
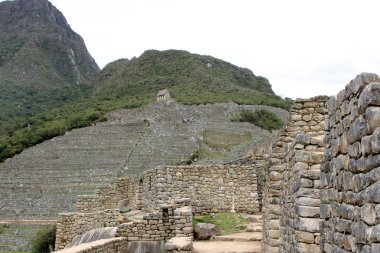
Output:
[[44, 241], [261, 118]]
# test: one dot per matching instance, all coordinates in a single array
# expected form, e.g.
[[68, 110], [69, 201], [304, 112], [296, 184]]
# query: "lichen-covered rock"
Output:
[[204, 231]]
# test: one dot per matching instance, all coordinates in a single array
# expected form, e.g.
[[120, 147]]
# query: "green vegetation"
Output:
[[130, 84], [3, 227], [228, 223], [44, 241], [188, 79], [215, 143], [261, 118]]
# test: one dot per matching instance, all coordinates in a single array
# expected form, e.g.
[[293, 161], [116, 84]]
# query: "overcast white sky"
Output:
[[304, 47]]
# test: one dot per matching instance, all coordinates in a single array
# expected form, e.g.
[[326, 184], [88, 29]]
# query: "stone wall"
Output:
[[300, 193], [306, 116], [350, 177], [124, 193], [70, 225], [171, 220], [106, 245], [210, 189]]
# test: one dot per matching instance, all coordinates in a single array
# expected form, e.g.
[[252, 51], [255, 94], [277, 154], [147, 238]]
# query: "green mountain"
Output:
[[50, 84], [43, 62], [191, 79]]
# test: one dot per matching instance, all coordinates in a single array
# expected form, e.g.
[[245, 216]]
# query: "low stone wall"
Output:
[[170, 221], [210, 189], [124, 193], [70, 225], [300, 194], [115, 245], [350, 199]]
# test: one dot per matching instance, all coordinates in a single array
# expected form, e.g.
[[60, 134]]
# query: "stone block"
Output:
[[373, 234], [306, 237], [358, 129], [308, 224], [369, 97], [307, 211], [375, 141], [368, 213], [372, 193], [308, 248], [372, 115], [325, 211]]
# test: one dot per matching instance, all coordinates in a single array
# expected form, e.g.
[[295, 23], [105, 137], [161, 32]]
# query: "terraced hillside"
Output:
[[44, 180], [15, 236]]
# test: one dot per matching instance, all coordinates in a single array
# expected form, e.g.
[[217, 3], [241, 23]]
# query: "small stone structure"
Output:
[[125, 192], [210, 189], [163, 95], [70, 225], [167, 194], [172, 220]]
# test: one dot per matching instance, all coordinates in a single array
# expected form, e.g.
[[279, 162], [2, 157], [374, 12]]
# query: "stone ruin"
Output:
[[322, 192], [169, 196], [318, 190]]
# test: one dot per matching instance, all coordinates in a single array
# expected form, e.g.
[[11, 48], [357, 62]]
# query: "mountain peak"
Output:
[[42, 9]]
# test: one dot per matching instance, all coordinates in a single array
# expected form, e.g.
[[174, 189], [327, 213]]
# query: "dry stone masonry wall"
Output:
[[306, 116], [350, 177], [106, 245], [171, 220], [70, 225], [300, 194], [124, 193], [214, 188]]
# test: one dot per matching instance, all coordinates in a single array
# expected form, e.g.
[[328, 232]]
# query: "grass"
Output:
[[216, 144], [228, 223]]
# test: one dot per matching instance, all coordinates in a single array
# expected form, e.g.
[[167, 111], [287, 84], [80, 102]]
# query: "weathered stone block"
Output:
[[372, 193], [368, 213], [373, 234], [308, 224], [308, 248], [358, 129], [307, 211], [369, 96], [375, 141], [372, 115], [306, 237]]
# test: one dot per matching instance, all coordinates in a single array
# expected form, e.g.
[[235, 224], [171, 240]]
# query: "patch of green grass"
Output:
[[228, 223], [216, 144], [261, 118]]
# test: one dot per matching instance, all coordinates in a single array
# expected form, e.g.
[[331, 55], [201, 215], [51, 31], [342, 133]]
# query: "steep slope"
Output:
[[191, 78], [41, 59], [44, 180]]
